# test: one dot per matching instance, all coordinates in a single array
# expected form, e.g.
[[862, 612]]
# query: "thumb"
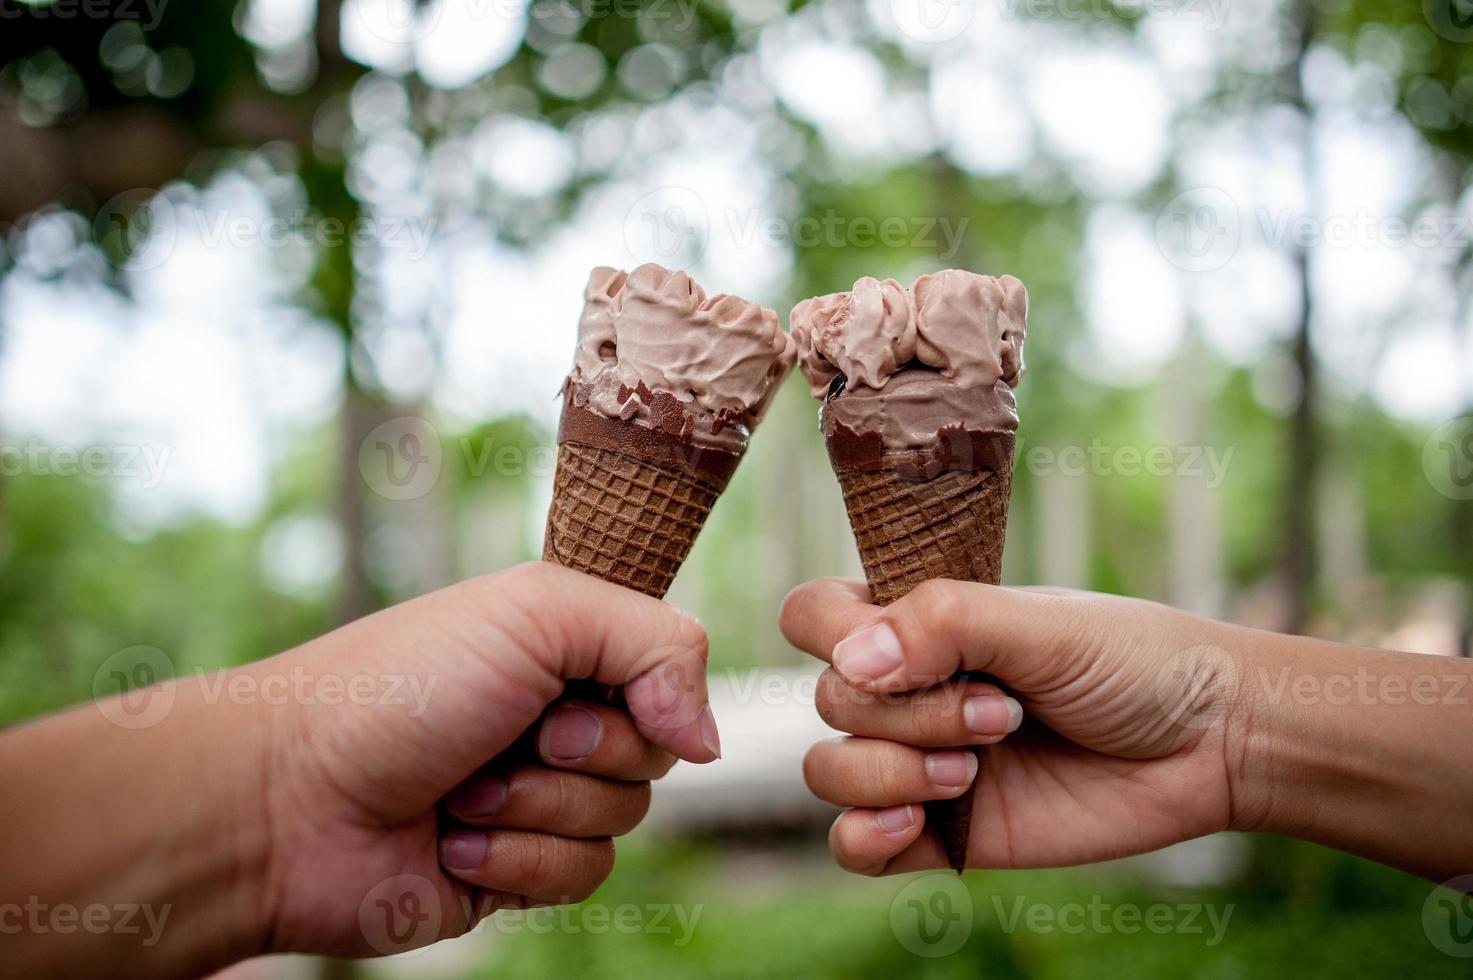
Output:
[[941, 628], [565, 625]]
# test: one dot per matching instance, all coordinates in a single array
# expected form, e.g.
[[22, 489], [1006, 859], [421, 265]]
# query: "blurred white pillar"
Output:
[[1194, 503], [495, 534], [1016, 567], [1196, 547], [1061, 517], [1342, 537]]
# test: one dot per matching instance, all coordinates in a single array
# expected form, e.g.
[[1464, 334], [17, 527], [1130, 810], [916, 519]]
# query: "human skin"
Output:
[[1119, 726], [270, 827]]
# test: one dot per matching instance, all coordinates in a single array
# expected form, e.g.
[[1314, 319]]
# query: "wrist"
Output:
[[227, 844], [1357, 749], [180, 850], [1273, 762], [270, 803], [1251, 733], [250, 826]]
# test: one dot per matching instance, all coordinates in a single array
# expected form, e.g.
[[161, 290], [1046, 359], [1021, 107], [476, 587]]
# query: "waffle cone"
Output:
[[623, 518], [952, 526], [908, 531]]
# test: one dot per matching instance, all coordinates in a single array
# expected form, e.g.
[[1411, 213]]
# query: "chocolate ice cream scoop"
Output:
[[654, 332], [950, 347]]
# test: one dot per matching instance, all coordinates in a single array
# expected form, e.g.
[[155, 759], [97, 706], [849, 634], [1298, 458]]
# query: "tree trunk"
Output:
[[1299, 545], [1297, 560], [355, 597], [355, 592], [1462, 511]]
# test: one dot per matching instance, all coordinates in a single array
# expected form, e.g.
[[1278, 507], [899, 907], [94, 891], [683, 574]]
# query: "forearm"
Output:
[[132, 851], [1363, 750]]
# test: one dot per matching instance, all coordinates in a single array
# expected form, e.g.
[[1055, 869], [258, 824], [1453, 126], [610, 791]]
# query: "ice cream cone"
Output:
[[625, 512], [665, 390], [910, 529], [920, 422], [951, 526]]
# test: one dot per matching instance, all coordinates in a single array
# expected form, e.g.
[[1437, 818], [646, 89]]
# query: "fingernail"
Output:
[[710, 737], [893, 820], [463, 850], [951, 768], [869, 654], [571, 733], [481, 798], [992, 715]]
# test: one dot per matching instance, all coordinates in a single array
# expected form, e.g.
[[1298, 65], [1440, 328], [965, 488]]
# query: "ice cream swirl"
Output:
[[944, 353], [654, 334]]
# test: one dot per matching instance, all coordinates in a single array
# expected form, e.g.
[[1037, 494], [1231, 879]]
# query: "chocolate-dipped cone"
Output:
[[910, 530], [666, 388], [952, 526], [920, 421], [624, 519], [627, 501]]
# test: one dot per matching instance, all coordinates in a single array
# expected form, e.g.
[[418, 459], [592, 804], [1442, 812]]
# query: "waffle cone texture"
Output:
[[624, 518], [951, 526]]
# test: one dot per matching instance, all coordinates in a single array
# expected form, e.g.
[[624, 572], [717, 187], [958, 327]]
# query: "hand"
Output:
[[1132, 741], [375, 790], [489, 799]]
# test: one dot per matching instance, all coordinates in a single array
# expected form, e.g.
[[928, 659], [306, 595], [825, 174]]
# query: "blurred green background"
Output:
[[252, 247]]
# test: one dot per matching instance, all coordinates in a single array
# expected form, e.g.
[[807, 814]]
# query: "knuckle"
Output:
[[542, 797], [938, 601], [842, 845], [816, 763], [661, 762], [828, 697], [788, 612], [515, 606], [887, 779], [919, 725], [606, 854], [812, 765], [535, 858], [535, 577], [796, 607], [635, 807], [599, 864], [935, 715], [561, 808], [687, 635]]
